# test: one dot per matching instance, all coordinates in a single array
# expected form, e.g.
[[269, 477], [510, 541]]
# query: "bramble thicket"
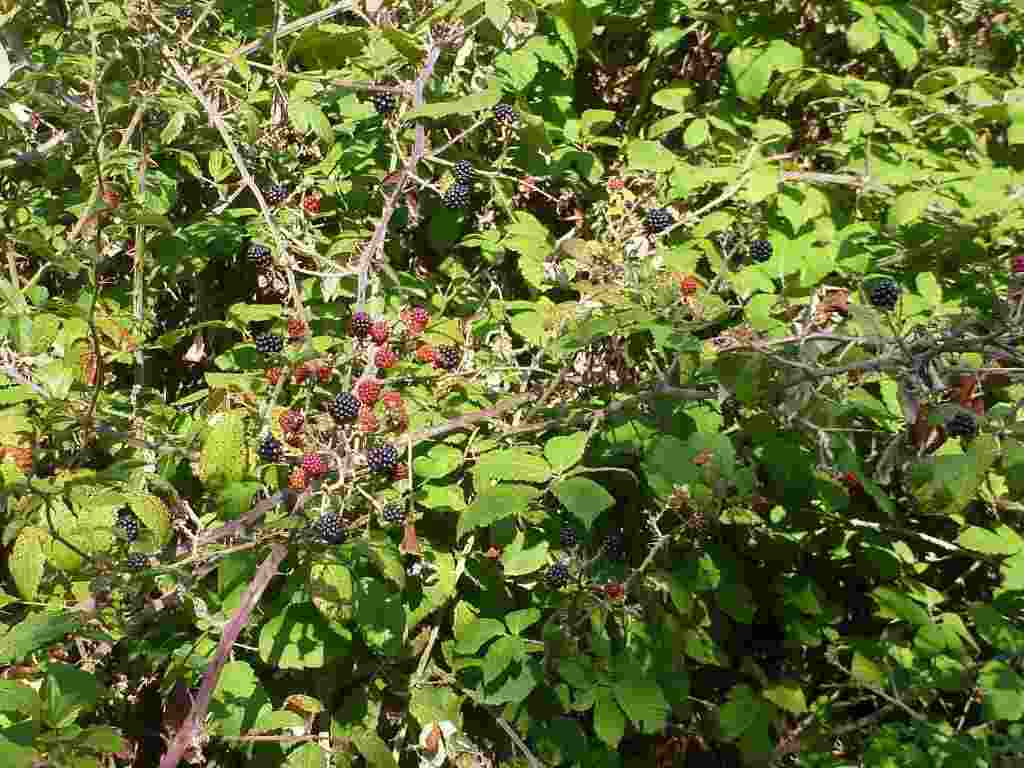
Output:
[[505, 383]]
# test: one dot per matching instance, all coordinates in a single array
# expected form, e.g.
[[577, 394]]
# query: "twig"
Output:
[[507, 728]]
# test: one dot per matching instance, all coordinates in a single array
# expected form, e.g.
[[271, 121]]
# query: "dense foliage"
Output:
[[489, 382]]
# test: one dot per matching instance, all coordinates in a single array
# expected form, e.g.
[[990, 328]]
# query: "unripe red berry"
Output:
[[425, 353], [385, 358], [367, 421], [400, 472], [297, 479], [368, 390], [392, 400], [1018, 264], [380, 331]]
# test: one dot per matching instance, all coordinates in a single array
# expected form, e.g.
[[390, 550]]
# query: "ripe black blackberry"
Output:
[[269, 344], [345, 407], [506, 115], [184, 13], [457, 195], [447, 357], [884, 294], [361, 324], [129, 524], [962, 425], [615, 546], [760, 251], [278, 193], [394, 513], [270, 449], [658, 220], [382, 459], [330, 528], [567, 536], [136, 561], [384, 103], [259, 255], [463, 172], [557, 575]]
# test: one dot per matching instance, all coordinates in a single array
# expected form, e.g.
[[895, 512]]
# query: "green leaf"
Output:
[[373, 749], [172, 130], [643, 701], [500, 655], [518, 560], [575, 25], [739, 713], [34, 632], [153, 514], [300, 638], [381, 617], [646, 155], [495, 504], [697, 133], [385, 555], [305, 116], [902, 50], [1002, 541], [787, 696], [467, 105], [1004, 692], [592, 121], [222, 459], [908, 207], [897, 605], [565, 451], [476, 634], [67, 691], [675, 98], [439, 461], [103, 738], [609, 722], [18, 697], [930, 289], [583, 498], [699, 646], [308, 755], [498, 13], [238, 700], [863, 34], [510, 464], [27, 560], [752, 68], [522, 619]]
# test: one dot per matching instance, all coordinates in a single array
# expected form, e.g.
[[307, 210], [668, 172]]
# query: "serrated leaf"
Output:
[[519, 620], [439, 461], [473, 636], [153, 514], [373, 749], [36, 631], [307, 755], [467, 105], [28, 560], [787, 696], [172, 130], [300, 638], [223, 456], [503, 651], [643, 701], [583, 499], [495, 504], [609, 721], [1003, 541], [510, 464]]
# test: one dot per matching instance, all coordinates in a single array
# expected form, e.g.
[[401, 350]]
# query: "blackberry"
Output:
[[277, 194], [731, 409], [557, 575], [259, 255], [183, 14], [463, 172], [384, 103], [382, 459], [394, 513], [760, 251], [447, 357], [269, 344], [361, 325], [136, 561], [129, 524], [962, 425], [457, 195], [884, 294], [825, 163], [567, 536], [506, 115], [345, 407], [615, 546], [658, 220], [330, 528], [270, 449]]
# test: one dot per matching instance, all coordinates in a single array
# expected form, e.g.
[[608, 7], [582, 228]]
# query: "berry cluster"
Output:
[[314, 465], [368, 391], [615, 546], [345, 407], [270, 450], [760, 251], [658, 220], [259, 255], [380, 331], [269, 344], [567, 536], [311, 203], [384, 103], [277, 194], [297, 479], [360, 325], [963, 425], [447, 357], [557, 575], [884, 294], [136, 561], [330, 528], [505, 114], [393, 513], [382, 459], [457, 195], [463, 172], [129, 524]]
